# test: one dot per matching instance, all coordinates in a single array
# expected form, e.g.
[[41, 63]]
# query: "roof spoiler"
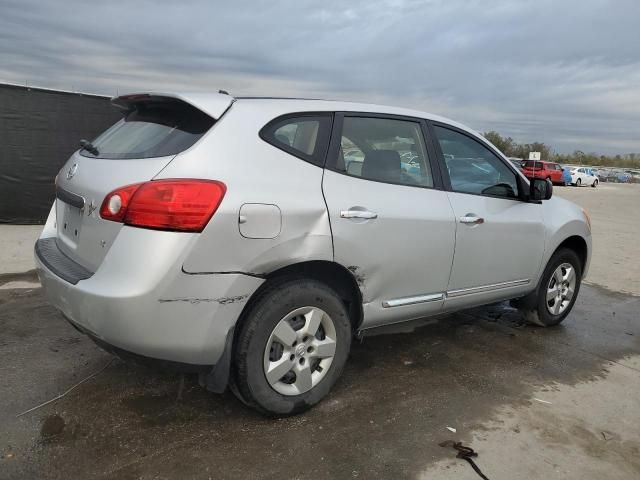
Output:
[[213, 104]]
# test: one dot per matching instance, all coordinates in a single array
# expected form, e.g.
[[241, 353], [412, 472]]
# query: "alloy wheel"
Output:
[[561, 289]]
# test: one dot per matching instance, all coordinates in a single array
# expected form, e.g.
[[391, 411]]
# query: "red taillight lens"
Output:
[[114, 207], [183, 205]]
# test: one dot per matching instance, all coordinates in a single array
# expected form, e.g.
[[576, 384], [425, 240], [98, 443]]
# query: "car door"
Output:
[[499, 237], [556, 173], [392, 224]]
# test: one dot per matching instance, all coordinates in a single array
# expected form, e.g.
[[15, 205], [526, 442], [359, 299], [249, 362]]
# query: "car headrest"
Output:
[[382, 165]]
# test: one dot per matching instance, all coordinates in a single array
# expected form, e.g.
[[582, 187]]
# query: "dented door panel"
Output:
[[403, 253]]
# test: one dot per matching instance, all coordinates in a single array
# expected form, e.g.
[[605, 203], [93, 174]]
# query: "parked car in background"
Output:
[[624, 176], [566, 176], [542, 169], [584, 176], [606, 175], [251, 239], [517, 162]]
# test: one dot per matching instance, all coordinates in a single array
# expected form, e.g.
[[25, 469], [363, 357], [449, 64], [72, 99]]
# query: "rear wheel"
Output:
[[595, 183], [292, 347], [557, 291], [578, 182]]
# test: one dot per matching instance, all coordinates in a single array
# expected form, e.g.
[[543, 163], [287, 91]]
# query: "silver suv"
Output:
[[249, 239]]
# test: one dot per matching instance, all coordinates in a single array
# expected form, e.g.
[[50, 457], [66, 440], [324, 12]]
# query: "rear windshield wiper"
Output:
[[89, 147]]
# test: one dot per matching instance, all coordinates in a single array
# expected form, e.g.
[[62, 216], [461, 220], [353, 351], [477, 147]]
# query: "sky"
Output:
[[564, 72]]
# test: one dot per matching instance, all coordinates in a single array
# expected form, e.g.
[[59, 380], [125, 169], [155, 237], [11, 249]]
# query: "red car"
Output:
[[542, 169]]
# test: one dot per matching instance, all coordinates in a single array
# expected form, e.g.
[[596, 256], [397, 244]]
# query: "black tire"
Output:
[[578, 182], [594, 184], [272, 305], [534, 307]]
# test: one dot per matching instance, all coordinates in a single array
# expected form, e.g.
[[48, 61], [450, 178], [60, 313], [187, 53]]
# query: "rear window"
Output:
[[533, 165], [152, 130]]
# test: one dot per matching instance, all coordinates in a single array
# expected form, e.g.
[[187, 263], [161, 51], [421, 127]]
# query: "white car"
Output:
[[583, 176]]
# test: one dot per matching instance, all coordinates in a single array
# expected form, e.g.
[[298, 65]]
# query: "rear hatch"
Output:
[[154, 129]]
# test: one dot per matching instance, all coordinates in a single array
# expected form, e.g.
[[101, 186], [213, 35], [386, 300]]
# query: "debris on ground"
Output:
[[67, 391], [542, 401], [465, 453], [451, 429]]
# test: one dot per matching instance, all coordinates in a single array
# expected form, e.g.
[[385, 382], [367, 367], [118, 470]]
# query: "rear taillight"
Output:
[[182, 205], [114, 207]]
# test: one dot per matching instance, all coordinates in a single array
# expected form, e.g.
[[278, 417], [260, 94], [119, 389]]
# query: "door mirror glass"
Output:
[[540, 189]]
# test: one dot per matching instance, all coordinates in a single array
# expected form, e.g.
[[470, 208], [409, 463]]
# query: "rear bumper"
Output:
[[140, 301]]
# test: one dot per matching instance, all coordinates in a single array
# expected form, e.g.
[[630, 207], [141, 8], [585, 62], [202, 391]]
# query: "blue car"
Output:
[[566, 176]]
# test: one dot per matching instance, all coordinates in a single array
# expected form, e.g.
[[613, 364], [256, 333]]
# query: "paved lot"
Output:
[[534, 403], [615, 211]]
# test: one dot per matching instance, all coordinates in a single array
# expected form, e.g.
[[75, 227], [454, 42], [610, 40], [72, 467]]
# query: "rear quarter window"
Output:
[[304, 135], [154, 129]]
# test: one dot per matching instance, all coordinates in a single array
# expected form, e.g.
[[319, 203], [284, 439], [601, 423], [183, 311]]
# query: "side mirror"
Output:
[[540, 189]]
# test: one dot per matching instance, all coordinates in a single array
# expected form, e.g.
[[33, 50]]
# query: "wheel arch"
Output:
[[332, 274], [578, 245]]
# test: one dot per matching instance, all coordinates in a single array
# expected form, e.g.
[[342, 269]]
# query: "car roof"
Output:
[[348, 106], [214, 104]]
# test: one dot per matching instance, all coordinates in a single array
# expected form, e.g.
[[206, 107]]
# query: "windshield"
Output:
[[152, 130]]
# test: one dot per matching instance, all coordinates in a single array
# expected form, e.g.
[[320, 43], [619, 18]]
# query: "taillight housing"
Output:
[[184, 205]]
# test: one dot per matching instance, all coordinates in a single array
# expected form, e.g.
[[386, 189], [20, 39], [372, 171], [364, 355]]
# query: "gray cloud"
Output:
[[566, 73]]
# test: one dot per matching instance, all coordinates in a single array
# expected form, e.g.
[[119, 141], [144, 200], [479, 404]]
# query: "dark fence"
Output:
[[39, 130]]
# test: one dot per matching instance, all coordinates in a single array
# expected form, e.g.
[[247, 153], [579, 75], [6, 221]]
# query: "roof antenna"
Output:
[[223, 92]]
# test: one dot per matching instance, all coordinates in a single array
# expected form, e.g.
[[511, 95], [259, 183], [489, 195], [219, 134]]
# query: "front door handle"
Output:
[[366, 214], [470, 219]]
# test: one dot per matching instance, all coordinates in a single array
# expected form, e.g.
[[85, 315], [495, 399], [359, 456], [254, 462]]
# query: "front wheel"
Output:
[[292, 347], [557, 291]]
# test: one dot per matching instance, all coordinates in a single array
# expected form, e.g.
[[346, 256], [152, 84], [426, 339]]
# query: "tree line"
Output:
[[511, 148]]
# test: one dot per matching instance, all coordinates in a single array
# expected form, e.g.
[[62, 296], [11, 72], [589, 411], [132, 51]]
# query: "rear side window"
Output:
[[304, 135], [385, 150], [152, 130]]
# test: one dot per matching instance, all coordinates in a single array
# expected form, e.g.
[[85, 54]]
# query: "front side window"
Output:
[[385, 150], [473, 168], [304, 136], [152, 130]]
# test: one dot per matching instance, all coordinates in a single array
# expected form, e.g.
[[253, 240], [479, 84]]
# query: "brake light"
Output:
[[176, 204]]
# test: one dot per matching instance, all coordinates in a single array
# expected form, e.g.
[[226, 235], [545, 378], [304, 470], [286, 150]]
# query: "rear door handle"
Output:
[[366, 214], [471, 219]]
